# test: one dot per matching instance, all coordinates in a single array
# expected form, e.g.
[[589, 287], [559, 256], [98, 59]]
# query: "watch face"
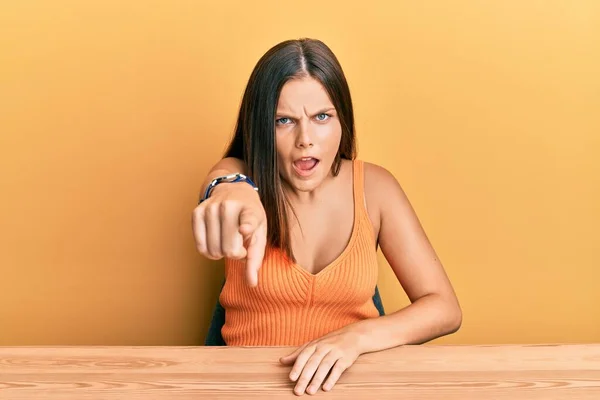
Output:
[[227, 178], [232, 178]]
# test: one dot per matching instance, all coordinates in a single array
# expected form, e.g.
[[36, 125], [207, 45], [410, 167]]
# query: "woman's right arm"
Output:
[[225, 166], [232, 222]]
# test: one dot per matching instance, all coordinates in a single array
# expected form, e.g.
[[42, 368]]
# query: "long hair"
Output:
[[254, 138]]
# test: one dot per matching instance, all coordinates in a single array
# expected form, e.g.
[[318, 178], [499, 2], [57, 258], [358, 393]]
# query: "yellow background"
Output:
[[112, 112]]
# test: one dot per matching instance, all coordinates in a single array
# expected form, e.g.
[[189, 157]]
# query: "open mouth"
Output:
[[306, 165]]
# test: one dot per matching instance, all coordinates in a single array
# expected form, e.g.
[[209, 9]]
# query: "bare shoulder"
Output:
[[374, 172], [383, 195], [381, 187]]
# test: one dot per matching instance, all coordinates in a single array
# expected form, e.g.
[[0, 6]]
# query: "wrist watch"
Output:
[[233, 178]]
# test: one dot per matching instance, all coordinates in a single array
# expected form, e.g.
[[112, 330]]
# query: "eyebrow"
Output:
[[321, 111]]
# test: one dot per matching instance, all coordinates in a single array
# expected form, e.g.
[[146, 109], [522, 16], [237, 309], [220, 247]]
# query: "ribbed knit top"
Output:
[[290, 306]]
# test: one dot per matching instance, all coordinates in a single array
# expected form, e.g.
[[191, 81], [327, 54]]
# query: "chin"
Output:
[[307, 186]]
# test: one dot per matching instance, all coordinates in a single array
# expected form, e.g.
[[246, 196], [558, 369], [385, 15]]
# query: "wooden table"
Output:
[[411, 372]]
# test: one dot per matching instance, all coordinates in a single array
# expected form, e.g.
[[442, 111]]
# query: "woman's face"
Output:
[[307, 133]]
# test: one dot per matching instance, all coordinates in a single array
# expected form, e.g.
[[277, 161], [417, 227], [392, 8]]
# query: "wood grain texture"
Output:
[[409, 372]]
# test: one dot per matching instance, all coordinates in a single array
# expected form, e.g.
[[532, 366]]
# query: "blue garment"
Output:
[[214, 337]]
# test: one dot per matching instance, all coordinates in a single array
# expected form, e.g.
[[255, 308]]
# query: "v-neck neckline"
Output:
[[351, 241]]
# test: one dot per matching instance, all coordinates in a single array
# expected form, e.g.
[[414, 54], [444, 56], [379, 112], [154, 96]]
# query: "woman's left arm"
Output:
[[434, 310]]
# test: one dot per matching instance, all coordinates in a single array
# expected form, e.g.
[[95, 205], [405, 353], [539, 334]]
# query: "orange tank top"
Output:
[[290, 306]]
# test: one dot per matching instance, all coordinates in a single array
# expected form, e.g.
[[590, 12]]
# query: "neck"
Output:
[[302, 197]]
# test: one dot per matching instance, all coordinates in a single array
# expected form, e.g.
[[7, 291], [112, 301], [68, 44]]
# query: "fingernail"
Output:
[[326, 387]]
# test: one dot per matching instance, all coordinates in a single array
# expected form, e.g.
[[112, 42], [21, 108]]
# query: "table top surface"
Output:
[[407, 372]]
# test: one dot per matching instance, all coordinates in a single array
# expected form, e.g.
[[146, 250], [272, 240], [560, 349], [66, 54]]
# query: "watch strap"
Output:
[[231, 178]]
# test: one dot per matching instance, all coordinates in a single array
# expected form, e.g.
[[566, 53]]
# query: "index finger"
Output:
[[255, 255]]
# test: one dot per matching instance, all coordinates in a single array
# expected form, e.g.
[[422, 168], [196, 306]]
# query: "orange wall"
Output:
[[111, 113]]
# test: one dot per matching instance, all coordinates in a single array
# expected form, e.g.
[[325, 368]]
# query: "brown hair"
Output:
[[254, 138]]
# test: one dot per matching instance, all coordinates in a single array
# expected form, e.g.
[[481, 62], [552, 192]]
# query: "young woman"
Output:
[[299, 220]]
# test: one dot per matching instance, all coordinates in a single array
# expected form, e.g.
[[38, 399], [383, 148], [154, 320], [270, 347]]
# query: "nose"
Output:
[[304, 138]]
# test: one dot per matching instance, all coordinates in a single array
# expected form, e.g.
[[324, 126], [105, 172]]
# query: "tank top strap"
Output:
[[358, 179]]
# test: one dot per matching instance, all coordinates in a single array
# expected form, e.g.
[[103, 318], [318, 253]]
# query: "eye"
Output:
[[323, 117], [283, 121]]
